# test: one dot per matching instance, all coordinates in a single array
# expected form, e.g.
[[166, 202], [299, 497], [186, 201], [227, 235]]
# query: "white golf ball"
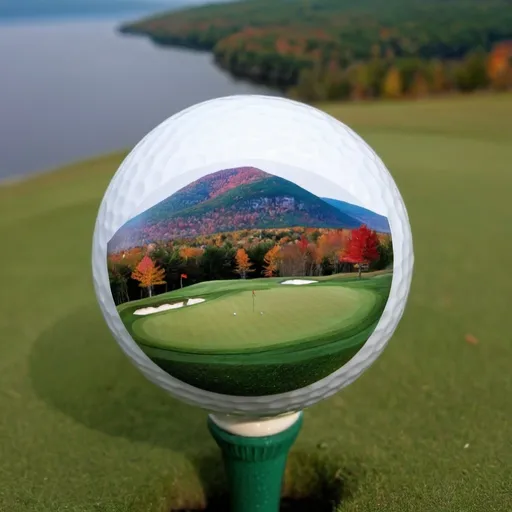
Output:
[[291, 165]]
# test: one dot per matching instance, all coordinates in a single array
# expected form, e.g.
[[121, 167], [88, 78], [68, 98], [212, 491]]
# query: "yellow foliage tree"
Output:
[[393, 85], [243, 263]]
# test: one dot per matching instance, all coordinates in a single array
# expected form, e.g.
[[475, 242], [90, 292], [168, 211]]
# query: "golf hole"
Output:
[[287, 505]]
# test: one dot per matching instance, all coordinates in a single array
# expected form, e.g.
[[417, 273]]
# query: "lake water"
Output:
[[75, 89]]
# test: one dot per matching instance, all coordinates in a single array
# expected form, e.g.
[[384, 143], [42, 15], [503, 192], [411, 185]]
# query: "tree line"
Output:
[[295, 252], [339, 49], [403, 78]]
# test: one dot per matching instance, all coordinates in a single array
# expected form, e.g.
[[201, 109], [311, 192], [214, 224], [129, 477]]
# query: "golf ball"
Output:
[[252, 202]]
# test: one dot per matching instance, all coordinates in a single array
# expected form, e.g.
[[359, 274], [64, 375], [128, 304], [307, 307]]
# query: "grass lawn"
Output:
[[426, 428], [295, 336]]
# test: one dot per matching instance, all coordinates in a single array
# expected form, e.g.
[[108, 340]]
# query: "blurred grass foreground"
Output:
[[426, 428]]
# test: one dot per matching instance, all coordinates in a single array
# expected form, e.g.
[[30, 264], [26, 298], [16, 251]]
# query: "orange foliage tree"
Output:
[[148, 274], [271, 262], [190, 252], [243, 263], [332, 245], [499, 65]]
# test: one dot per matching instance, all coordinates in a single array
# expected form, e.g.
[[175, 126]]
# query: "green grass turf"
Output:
[[296, 336], [82, 431], [240, 322]]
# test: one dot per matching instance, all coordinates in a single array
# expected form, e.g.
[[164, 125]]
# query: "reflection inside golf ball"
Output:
[[241, 241]]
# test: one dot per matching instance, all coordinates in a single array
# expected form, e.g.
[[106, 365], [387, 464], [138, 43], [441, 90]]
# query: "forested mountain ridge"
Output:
[[325, 49], [233, 200]]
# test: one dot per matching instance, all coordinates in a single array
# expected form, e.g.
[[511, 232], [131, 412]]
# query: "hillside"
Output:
[[232, 200], [209, 187], [325, 49]]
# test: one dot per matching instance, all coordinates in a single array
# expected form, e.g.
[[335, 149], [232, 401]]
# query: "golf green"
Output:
[[426, 427], [282, 338], [281, 315]]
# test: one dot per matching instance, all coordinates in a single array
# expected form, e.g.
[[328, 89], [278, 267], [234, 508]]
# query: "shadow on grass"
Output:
[[312, 482], [77, 368]]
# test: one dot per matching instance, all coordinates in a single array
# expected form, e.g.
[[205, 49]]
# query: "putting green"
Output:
[[282, 315]]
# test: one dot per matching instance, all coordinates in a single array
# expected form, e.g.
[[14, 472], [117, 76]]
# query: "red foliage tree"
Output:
[[362, 247]]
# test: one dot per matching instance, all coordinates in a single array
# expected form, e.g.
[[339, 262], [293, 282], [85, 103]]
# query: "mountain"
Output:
[[231, 200], [209, 187], [373, 220]]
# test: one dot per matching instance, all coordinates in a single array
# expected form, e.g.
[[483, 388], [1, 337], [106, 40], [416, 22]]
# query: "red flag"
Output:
[[184, 276]]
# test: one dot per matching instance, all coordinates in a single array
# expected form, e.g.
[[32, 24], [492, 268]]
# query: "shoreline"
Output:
[[14, 181]]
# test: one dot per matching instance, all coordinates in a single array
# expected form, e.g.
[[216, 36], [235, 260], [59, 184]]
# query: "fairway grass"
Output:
[[426, 428]]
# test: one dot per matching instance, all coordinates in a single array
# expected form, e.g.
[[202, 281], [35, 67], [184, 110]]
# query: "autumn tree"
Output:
[[190, 252], [271, 262], [303, 245], [243, 263], [419, 85], [392, 85], [313, 259], [148, 274], [362, 247], [499, 66], [331, 246], [291, 260], [359, 80]]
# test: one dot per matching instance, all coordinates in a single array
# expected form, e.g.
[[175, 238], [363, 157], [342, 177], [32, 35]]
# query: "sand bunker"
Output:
[[298, 281], [163, 307], [191, 302], [166, 307]]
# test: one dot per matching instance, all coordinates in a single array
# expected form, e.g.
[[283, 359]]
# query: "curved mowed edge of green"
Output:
[[381, 287], [306, 314], [272, 371], [276, 373]]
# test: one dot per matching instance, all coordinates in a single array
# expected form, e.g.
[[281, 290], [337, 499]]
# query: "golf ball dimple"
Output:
[[281, 207]]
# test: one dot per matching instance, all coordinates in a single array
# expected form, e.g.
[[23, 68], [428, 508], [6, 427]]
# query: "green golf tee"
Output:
[[255, 453]]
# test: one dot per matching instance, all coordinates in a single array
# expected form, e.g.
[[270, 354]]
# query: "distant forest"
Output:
[[246, 254], [345, 49]]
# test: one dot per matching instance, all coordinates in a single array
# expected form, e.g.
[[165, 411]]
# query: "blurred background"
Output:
[[426, 83]]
